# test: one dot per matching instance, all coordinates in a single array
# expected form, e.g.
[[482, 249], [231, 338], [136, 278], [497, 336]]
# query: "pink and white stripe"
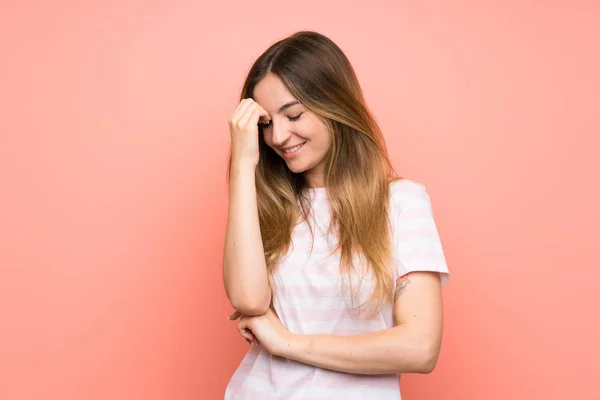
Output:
[[309, 300]]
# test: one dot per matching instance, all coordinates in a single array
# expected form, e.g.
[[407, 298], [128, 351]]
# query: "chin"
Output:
[[296, 168]]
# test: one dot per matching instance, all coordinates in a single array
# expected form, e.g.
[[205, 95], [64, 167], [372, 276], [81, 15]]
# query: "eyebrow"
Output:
[[287, 105]]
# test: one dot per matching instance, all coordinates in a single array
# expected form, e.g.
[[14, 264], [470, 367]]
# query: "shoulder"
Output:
[[403, 191]]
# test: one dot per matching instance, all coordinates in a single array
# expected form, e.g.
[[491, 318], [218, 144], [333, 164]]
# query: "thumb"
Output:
[[234, 316]]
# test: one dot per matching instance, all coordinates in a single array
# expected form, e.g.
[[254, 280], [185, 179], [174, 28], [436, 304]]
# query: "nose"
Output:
[[280, 134]]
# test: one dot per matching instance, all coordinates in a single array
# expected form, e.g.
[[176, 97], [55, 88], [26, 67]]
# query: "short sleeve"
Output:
[[416, 241]]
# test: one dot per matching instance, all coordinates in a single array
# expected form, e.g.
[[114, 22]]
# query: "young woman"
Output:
[[332, 262]]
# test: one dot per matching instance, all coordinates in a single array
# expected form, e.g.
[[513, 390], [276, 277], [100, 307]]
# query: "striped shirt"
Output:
[[310, 298]]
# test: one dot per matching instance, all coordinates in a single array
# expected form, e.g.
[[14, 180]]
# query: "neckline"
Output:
[[316, 193]]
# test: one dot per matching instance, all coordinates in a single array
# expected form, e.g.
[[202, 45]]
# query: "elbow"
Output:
[[427, 360], [422, 360], [251, 307], [248, 301]]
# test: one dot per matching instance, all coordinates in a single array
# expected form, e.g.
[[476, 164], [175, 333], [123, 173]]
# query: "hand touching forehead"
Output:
[[273, 95]]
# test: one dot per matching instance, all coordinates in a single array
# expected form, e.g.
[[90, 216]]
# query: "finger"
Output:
[[234, 115], [243, 327], [234, 316], [263, 115], [258, 113], [254, 118], [252, 338], [247, 334], [248, 115], [241, 110], [240, 104]]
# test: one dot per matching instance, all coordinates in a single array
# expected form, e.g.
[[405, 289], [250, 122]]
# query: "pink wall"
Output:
[[113, 152]]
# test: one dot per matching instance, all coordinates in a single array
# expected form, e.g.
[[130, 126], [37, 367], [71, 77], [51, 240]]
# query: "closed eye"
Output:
[[268, 124], [295, 118]]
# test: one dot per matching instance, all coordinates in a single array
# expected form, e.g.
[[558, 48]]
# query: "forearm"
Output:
[[395, 350], [244, 267]]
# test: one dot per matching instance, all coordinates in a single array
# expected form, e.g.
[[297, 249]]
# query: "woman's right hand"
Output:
[[243, 126]]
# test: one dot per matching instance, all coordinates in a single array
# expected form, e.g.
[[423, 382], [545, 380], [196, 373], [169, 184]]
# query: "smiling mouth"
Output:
[[294, 149]]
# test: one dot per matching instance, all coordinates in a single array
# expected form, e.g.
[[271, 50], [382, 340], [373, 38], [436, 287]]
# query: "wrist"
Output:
[[291, 345], [242, 166], [241, 172]]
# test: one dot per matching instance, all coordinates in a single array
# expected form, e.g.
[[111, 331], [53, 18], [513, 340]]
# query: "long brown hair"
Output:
[[357, 167]]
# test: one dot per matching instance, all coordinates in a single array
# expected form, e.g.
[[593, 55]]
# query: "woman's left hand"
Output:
[[266, 328]]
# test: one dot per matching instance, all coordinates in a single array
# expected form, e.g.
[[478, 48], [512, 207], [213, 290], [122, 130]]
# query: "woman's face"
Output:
[[295, 133]]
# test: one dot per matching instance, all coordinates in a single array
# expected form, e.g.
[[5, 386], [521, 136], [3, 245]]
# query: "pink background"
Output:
[[113, 150]]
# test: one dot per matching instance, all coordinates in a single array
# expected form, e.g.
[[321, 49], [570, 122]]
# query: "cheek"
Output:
[[324, 140], [318, 133], [267, 138]]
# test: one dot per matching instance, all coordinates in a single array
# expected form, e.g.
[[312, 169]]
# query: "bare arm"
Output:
[[412, 345], [244, 266]]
